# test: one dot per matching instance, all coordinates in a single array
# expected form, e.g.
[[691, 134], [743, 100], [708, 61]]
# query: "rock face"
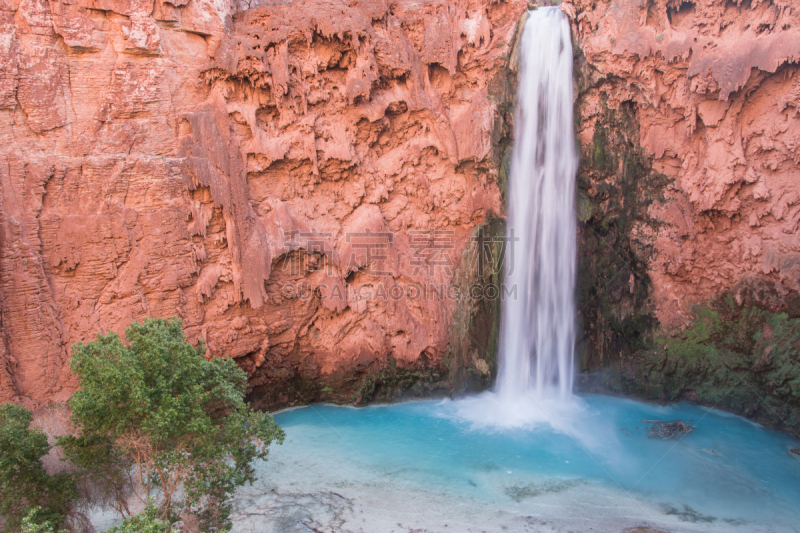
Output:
[[274, 177], [311, 186], [688, 114], [714, 90]]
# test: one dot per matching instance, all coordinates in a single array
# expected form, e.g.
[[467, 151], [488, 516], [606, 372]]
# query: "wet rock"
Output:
[[714, 113]]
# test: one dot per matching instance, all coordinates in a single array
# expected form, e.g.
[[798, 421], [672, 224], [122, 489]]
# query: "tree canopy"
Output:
[[156, 409], [27, 489]]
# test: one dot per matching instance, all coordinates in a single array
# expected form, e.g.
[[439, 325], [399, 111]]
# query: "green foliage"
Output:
[[783, 374], [742, 359], [145, 522], [34, 522], [584, 207], [25, 486], [157, 405]]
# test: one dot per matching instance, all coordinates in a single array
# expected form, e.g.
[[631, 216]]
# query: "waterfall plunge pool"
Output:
[[501, 461], [446, 466]]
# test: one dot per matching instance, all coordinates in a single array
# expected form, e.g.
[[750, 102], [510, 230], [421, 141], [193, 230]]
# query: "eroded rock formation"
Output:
[[271, 175], [180, 158], [689, 119], [715, 93]]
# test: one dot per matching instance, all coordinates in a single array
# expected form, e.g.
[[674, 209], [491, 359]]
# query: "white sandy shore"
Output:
[[293, 494]]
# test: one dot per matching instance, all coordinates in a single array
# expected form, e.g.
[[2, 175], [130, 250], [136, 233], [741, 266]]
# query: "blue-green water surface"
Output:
[[728, 472]]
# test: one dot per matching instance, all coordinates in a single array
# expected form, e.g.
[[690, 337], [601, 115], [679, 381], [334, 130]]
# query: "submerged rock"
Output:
[[674, 429]]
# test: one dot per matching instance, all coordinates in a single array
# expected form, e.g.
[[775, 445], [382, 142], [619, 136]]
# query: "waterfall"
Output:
[[537, 330]]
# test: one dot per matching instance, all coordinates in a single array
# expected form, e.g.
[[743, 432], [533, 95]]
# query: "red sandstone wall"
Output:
[[716, 91], [154, 153]]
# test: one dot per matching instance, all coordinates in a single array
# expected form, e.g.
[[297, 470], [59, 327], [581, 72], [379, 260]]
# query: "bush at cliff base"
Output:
[[145, 522], [26, 488], [742, 359], [156, 410], [35, 523]]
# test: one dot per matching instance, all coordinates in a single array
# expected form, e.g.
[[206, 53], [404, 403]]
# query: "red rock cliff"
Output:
[[712, 91], [172, 157], [184, 158], [688, 115]]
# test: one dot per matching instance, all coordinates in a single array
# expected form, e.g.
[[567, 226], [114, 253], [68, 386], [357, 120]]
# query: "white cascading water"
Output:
[[537, 338], [537, 330]]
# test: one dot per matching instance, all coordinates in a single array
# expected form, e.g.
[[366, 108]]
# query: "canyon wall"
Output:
[[305, 184], [314, 188], [688, 115]]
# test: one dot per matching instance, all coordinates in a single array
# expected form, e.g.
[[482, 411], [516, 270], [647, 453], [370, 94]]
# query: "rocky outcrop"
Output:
[[714, 91], [688, 113], [275, 177]]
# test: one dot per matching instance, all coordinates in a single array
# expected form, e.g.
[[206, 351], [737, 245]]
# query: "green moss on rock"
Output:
[[616, 187], [392, 383], [475, 329], [741, 359]]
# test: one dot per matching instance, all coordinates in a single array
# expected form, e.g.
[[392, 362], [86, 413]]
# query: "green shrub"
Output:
[[24, 484], [34, 523], [145, 522], [156, 407], [744, 359]]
